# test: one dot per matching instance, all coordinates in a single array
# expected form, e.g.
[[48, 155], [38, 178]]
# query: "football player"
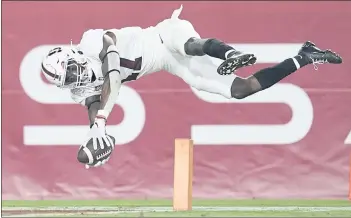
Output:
[[104, 59]]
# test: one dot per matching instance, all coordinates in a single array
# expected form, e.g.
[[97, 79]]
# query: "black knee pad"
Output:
[[240, 88], [194, 47]]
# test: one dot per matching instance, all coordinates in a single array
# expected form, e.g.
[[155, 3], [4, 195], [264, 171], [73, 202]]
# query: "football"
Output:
[[87, 154]]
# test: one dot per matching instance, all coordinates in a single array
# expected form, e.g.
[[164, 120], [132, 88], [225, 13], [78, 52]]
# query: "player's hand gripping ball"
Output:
[[98, 147]]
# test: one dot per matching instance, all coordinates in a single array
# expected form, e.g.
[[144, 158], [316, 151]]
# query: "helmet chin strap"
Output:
[[88, 74]]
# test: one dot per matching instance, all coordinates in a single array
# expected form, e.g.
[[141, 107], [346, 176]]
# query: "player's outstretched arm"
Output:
[[98, 146], [109, 57], [93, 105]]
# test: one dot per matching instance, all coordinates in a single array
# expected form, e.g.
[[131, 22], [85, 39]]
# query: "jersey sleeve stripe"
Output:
[[133, 65]]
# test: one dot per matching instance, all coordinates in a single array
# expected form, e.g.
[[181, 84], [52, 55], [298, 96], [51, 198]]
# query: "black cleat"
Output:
[[318, 56], [235, 61]]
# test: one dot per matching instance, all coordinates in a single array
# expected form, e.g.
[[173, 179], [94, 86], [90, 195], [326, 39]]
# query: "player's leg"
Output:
[[239, 88], [198, 73], [181, 37], [265, 78], [233, 59]]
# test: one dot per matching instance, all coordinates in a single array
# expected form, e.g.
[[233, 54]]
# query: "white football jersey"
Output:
[[144, 51], [140, 52]]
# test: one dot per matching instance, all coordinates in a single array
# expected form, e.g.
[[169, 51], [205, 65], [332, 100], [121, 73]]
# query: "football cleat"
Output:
[[235, 61], [318, 56]]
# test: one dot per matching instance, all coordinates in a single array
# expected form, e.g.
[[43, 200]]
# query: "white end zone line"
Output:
[[29, 211]]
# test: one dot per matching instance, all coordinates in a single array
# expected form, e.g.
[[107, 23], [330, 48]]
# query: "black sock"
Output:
[[270, 76], [216, 48]]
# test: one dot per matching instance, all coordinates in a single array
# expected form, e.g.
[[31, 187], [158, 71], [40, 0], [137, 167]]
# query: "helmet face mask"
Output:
[[76, 74], [66, 68]]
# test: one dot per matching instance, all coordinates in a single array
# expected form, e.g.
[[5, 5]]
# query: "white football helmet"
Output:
[[66, 68]]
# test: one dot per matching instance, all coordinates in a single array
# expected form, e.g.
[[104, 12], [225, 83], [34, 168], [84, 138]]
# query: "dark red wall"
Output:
[[315, 166]]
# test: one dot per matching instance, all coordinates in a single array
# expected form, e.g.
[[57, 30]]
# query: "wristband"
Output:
[[102, 114]]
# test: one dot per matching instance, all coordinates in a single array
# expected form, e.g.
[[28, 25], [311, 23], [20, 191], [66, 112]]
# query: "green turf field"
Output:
[[163, 208]]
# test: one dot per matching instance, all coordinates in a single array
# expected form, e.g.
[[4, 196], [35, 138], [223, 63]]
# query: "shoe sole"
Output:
[[230, 65], [332, 59]]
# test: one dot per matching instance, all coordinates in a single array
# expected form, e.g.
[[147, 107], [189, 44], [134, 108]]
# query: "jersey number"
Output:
[[133, 65]]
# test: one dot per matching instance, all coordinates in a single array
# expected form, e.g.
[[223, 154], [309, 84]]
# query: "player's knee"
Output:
[[239, 95], [187, 39], [241, 88], [194, 47]]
